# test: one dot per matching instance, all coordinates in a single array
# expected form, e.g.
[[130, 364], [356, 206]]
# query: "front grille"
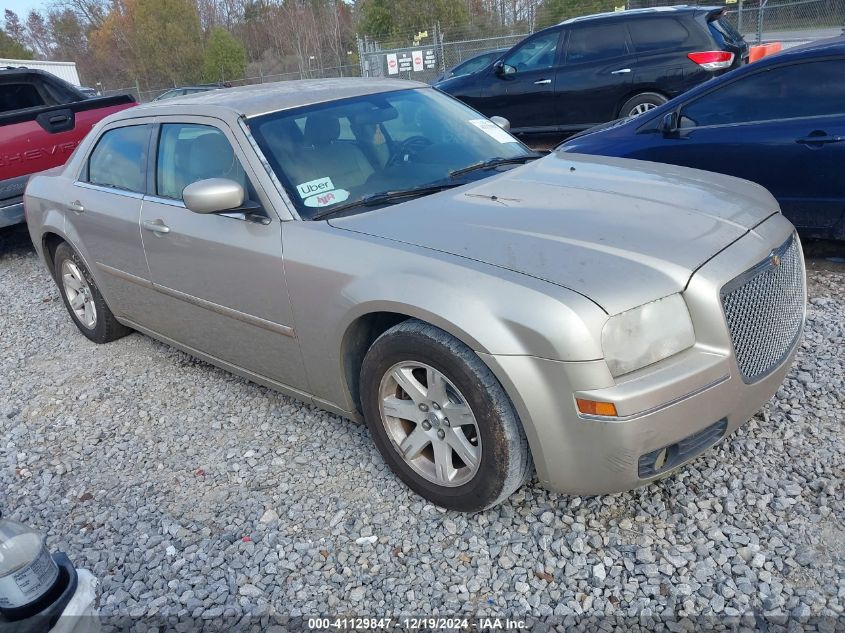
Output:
[[764, 309], [676, 454]]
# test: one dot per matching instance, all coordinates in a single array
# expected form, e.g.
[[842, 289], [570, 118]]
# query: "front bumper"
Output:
[[683, 404]]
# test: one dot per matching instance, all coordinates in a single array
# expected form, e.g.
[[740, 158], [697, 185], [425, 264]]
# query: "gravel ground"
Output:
[[192, 492]]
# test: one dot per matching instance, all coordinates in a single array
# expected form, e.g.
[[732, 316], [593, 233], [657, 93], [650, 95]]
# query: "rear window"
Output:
[[596, 43], [119, 159], [726, 30], [656, 34], [18, 97]]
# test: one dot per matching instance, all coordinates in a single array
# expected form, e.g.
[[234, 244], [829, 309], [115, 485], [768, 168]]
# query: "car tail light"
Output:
[[712, 60]]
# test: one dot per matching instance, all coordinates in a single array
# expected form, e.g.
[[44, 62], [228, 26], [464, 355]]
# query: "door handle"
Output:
[[820, 140], [621, 71], [542, 82], [156, 226], [76, 206]]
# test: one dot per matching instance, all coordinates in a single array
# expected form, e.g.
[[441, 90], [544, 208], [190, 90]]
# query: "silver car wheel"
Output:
[[641, 108], [79, 295], [430, 424]]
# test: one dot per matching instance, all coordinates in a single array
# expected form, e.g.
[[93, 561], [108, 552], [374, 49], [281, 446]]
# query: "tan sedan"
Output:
[[385, 252]]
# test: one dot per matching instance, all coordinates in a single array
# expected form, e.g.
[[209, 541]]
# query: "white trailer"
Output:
[[62, 70]]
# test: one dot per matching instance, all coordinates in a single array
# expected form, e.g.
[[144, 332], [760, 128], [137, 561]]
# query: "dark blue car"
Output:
[[779, 122]]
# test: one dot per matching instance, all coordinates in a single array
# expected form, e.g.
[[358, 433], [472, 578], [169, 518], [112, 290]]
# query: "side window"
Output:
[[787, 92], [654, 34], [188, 152], [596, 43], [538, 53], [18, 97], [120, 158]]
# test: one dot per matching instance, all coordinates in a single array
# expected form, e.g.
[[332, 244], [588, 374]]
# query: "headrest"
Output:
[[211, 156], [321, 129]]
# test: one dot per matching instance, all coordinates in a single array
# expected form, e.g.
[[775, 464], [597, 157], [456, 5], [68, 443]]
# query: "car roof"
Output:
[[679, 8], [258, 99]]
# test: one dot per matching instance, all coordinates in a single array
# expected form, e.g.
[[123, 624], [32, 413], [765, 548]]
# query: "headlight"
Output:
[[647, 334]]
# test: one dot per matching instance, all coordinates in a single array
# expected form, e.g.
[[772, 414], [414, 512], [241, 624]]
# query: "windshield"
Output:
[[340, 152]]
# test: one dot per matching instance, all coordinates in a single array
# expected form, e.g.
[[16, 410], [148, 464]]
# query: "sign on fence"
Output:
[[410, 61]]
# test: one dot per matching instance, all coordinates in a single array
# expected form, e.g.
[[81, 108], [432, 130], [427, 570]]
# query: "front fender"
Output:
[[335, 278]]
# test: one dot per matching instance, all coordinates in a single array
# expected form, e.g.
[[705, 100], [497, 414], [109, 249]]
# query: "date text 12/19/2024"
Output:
[[415, 624]]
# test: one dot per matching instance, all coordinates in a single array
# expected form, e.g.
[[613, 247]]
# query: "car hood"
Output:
[[621, 232]]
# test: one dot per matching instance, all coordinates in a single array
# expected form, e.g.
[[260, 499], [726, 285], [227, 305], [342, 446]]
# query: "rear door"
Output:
[[782, 127], [596, 76], [219, 276], [662, 43], [524, 90], [103, 209]]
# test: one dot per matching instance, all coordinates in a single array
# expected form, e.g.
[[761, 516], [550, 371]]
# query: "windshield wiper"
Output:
[[385, 197], [495, 162]]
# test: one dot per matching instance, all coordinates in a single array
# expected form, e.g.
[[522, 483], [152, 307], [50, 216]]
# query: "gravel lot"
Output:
[[191, 492]]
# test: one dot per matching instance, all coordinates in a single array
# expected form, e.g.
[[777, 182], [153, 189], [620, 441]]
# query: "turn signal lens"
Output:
[[592, 407]]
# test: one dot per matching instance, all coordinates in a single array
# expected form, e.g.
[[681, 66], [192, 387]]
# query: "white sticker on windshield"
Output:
[[493, 130], [325, 199], [321, 185]]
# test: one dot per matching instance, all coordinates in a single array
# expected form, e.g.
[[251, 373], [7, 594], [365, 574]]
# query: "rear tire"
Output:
[[413, 379], [641, 103], [82, 298]]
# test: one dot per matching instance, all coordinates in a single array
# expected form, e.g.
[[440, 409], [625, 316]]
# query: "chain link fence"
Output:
[[425, 56], [790, 22]]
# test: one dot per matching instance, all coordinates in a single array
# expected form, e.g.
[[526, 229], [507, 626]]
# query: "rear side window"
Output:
[[120, 158], [787, 92], [18, 97], [655, 34], [596, 43], [188, 152]]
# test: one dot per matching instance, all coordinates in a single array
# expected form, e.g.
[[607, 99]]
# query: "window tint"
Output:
[[472, 65], [537, 53], [19, 96], [120, 158], [188, 152], [788, 92], [594, 43], [655, 34]]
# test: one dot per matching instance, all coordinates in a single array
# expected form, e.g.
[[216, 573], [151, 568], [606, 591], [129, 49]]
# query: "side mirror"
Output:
[[502, 122], [213, 195], [669, 124], [499, 67]]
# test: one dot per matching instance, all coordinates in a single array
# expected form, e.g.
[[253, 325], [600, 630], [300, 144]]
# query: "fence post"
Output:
[[360, 54], [439, 42], [760, 21], [739, 18], [138, 89]]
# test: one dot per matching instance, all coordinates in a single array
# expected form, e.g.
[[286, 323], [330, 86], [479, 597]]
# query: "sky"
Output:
[[22, 7]]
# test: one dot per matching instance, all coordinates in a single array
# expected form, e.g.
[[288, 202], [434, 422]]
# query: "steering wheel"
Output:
[[410, 146]]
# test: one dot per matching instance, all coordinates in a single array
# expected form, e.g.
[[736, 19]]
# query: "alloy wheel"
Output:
[[79, 294], [430, 424], [641, 108]]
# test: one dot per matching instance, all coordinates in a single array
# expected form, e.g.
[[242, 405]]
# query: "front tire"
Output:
[[641, 103], [82, 298], [441, 420]]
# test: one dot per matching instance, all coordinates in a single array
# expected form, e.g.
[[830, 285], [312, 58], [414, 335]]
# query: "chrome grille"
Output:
[[764, 308]]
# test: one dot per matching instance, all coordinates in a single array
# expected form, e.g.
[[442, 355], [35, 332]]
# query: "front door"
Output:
[[104, 206], [522, 89], [220, 277], [782, 127], [597, 76]]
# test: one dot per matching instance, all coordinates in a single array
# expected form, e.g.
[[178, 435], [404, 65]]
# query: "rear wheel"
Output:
[[441, 420], [641, 103], [82, 298]]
